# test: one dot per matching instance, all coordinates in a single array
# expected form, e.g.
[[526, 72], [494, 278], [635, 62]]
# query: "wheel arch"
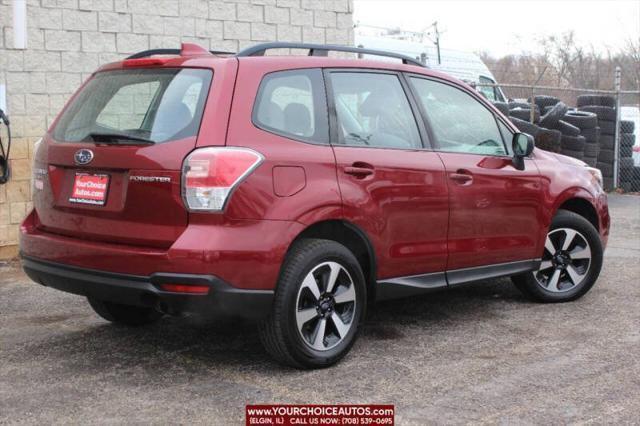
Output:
[[352, 237], [583, 207], [575, 199]]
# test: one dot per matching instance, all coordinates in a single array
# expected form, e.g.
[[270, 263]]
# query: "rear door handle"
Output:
[[359, 170], [461, 177]]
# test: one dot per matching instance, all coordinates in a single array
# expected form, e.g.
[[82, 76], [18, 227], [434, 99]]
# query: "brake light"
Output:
[[209, 175], [144, 62]]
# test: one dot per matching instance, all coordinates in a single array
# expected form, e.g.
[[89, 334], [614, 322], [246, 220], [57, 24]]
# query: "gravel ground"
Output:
[[480, 354]]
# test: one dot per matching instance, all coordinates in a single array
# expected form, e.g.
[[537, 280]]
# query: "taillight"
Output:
[[209, 175]]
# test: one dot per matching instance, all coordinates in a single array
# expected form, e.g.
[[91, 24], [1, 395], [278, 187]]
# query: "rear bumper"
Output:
[[139, 290], [246, 254]]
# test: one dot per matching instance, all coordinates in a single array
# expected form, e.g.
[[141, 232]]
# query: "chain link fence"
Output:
[[599, 127]]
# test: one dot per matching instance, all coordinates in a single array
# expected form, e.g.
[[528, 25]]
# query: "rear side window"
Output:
[[293, 104], [157, 105]]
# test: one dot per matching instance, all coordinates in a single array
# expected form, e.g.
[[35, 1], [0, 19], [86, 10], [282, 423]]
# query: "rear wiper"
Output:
[[119, 139]]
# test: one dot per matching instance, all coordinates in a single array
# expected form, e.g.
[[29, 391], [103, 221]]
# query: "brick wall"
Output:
[[68, 39]]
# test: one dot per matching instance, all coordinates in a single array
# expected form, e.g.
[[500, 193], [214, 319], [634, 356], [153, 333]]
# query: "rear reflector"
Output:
[[185, 288], [210, 174]]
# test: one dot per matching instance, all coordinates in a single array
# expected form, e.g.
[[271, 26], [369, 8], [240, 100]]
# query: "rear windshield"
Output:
[[157, 105]]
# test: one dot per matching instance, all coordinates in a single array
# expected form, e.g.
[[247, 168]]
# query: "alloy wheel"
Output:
[[566, 261], [326, 306]]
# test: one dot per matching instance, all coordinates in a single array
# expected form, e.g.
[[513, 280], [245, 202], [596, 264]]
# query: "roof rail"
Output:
[[323, 50], [260, 49]]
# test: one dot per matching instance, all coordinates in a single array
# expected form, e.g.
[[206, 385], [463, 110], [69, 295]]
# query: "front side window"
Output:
[[155, 105], [459, 122], [293, 104], [507, 136], [373, 110]]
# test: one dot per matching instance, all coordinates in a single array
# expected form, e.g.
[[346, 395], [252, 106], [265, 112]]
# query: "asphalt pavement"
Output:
[[480, 354]]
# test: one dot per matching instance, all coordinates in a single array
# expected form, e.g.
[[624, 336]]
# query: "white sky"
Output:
[[505, 27]]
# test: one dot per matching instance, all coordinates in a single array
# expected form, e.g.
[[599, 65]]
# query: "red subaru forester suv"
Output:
[[295, 190]]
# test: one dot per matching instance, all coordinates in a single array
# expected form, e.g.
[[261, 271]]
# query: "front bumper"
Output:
[[139, 290]]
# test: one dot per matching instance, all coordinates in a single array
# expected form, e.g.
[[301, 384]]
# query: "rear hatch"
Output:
[[110, 168]]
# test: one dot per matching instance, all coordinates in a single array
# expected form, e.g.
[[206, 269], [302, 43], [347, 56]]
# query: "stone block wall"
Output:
[[68, 39]]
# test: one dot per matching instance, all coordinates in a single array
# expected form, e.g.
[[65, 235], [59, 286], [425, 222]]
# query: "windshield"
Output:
[[154, 105]]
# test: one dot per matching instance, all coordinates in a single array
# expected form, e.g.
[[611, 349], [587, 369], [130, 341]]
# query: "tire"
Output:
[[599, 100], [591, 135], [525, 126], [543, 101], [551, 118], [606, 156], [605, 168], [514, 105], [627, 163], [626, 151], [635, 182], [567, 129], [570, 153], [548, 139], [607, 127], [503, 107], [607, 142], [573, 143], [627, 126], [575, 276], [280, 333], [626, 186], [129, 315], [591, 161], [603, 112], [627, 140], [581, 119], [525, 114], [591, 150]]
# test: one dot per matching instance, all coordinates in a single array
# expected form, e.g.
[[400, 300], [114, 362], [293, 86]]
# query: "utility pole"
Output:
[[437, 42]]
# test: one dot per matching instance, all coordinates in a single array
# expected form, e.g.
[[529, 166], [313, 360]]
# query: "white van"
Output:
[[465, 66]]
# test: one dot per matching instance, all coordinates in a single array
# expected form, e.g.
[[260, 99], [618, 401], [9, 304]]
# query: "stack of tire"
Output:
[[629, 179], [604, 108], [572, 143], [587, 123], [545, 138], [635, 182]]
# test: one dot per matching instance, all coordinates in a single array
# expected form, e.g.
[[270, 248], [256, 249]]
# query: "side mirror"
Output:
[[522, 147]]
